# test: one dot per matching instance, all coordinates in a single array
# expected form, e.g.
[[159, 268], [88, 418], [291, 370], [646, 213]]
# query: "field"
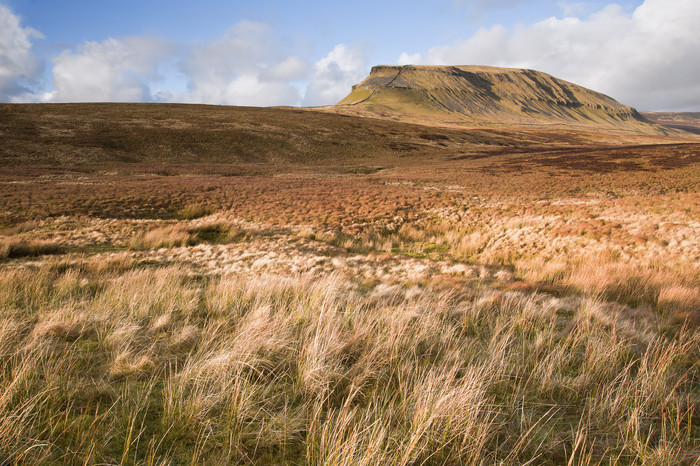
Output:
[[213, 285]]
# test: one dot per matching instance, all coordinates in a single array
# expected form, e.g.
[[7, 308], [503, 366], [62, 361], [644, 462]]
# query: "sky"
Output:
[[644, 53]]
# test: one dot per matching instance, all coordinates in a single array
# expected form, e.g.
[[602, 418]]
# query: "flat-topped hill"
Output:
[[487, 95]]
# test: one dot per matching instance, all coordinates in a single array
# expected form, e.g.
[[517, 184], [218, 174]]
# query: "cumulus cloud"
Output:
[[649, 58], [115, 70], [334, 75], [408, 59], [19, 68], [243, 68], [290, 69]]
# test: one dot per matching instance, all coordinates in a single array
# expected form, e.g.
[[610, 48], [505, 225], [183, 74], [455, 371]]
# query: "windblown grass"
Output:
[[179, 234], [153, 366], [11, 248]]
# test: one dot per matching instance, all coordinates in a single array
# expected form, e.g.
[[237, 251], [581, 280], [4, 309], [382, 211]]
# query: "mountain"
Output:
[[483, 95]]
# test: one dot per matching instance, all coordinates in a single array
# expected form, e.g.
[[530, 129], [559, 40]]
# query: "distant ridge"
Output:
[[487, 95], [688, 122]]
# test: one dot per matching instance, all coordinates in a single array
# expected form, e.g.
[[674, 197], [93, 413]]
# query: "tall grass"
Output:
[[153, 366], [12, 248]]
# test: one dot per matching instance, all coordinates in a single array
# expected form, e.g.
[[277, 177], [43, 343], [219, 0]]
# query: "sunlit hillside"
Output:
[[489, 96]]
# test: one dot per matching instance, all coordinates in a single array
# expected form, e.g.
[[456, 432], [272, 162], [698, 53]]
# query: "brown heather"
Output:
[[206, 285]]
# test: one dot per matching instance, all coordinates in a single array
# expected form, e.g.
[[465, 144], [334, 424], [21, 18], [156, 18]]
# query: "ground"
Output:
[[191, 284]]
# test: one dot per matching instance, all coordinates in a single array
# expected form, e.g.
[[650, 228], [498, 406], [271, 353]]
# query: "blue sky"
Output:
[[645, 53]]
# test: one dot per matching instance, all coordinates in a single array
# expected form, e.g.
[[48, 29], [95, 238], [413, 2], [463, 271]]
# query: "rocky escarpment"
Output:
[[482, 94]]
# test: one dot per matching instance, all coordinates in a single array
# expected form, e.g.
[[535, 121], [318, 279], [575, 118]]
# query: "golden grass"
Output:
[[151, 365], [11, 248], [192, 211], [182, 234], [170, 236]]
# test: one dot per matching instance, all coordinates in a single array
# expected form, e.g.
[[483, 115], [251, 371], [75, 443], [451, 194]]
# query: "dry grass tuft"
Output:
[[11, 248], [677, 296], [127, 364], [165, 237], [192, 211]]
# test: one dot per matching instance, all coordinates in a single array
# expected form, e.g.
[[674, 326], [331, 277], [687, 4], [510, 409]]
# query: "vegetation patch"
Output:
[[10, 248], [192, 211]]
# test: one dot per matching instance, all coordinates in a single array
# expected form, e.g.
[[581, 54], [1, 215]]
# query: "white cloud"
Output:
[[19, 68], [115, 70], [243, 68], [649, 59], [292, 68], [408, 59], [334, 75], [246, 68]]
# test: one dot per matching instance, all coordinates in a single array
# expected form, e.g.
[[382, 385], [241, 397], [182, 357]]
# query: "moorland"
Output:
[[188, 284]]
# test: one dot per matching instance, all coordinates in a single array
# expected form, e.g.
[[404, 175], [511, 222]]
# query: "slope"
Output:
[[481, 95], [79, 134]]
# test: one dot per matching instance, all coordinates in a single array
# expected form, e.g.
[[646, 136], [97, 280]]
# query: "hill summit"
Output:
[[486, 95]]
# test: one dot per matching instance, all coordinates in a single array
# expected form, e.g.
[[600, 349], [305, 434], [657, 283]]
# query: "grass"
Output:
[[178, 234], [448, 301], [123, 367], [192, 211], [10, 248]]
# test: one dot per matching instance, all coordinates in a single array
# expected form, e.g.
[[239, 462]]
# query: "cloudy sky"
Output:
[[645, 53]]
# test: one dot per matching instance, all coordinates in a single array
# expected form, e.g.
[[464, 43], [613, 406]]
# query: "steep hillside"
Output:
[[487, 95]]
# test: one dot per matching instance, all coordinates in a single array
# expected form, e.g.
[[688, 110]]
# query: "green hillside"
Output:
[[488, 95]]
